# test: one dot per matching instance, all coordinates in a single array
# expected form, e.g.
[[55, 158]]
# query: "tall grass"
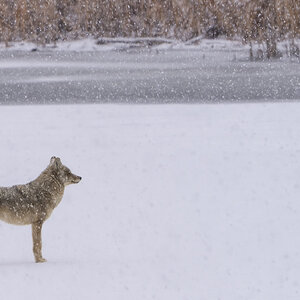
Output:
[[44, 21]]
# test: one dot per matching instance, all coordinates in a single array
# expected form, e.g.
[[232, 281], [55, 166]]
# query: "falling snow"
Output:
[[182, 118]]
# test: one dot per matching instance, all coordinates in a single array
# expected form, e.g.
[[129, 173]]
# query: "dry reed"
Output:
[[45, 21]]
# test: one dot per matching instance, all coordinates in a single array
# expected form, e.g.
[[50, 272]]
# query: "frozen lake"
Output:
[[144, 77]]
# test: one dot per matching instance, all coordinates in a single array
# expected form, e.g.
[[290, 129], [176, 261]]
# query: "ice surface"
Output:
[[178, 75], [176, 202]]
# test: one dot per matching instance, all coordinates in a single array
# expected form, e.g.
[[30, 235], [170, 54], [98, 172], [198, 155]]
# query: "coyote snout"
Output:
[[33, 203]]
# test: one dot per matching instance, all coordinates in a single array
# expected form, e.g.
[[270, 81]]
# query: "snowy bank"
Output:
[[127, 44]]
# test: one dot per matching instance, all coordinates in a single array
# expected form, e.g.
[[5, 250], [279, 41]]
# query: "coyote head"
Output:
[[62, 173]]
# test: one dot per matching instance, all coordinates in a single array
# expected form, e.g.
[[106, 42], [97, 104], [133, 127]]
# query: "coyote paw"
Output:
[[40, 260]]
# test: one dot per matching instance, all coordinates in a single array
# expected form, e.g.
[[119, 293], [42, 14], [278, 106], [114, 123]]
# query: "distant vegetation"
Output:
[[45, 21]]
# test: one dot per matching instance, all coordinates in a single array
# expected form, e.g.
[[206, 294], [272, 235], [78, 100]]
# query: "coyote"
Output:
[[33, 203]]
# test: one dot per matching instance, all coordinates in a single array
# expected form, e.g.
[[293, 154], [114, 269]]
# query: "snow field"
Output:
[[176, 202]]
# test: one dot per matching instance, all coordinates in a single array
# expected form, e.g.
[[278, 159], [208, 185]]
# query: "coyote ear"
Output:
[[55, 160], [52, 160]]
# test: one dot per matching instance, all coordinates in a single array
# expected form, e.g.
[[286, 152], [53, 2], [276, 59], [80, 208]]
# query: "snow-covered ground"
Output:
[[176, 202]]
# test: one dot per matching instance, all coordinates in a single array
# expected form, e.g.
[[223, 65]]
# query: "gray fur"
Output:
[[33, 203]]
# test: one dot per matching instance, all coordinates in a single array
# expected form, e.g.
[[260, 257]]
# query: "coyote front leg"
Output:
[[37, 241]]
